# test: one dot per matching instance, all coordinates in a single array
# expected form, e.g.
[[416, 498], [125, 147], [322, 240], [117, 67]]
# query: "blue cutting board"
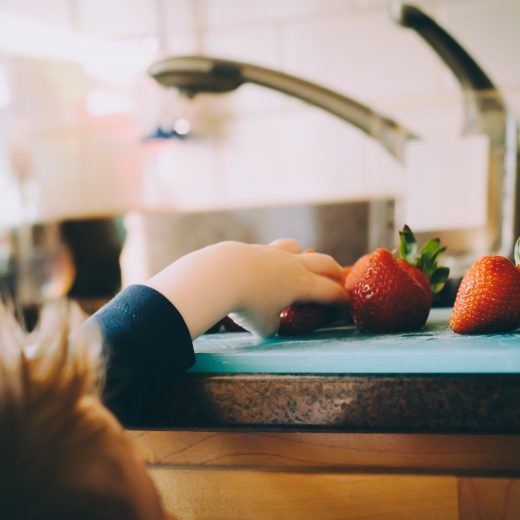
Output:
[[343, 350]]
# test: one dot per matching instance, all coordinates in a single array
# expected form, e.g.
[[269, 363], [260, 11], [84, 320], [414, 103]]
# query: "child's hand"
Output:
[[279, 275], [255, 282]]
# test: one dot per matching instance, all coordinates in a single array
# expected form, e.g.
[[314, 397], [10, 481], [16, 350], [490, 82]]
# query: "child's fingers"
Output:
[[289, 245], [321, 289], [324, 265]]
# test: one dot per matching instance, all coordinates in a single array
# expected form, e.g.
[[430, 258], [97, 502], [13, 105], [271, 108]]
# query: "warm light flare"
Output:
[[117, 62]]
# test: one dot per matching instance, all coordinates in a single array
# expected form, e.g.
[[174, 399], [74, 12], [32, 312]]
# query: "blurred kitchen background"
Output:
[[98, 160]]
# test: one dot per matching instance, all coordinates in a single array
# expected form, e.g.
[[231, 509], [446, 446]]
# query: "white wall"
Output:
[[265, 148]]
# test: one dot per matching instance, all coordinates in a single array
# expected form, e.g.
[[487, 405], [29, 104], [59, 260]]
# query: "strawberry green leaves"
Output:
[[407, 245], [425, 258]]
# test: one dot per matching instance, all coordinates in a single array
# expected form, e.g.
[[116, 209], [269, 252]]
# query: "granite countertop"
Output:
[[337, 379]]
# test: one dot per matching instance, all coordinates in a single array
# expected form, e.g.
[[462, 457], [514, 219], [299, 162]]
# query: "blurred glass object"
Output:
[[69, 159], [114, 62], [39, 266], [43, 266]]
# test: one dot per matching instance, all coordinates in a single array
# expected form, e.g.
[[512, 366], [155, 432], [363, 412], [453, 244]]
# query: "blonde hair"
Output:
[[47, 433]]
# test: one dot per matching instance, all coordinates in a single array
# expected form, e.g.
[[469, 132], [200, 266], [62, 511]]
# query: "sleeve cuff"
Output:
[[146, 345]]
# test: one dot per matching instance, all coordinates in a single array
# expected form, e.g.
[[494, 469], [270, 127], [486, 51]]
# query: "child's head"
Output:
[[62, 454]]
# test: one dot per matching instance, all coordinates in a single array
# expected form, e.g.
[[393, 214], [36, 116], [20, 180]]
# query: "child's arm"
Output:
[[147, 330], [255, 282]]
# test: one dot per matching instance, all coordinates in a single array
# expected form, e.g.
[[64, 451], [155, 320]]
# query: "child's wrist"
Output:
[[232, 266]]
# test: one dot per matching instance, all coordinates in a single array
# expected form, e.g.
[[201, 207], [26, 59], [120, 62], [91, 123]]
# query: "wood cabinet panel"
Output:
[[489, 499], [247, 495], [449, 454], [285, 475]]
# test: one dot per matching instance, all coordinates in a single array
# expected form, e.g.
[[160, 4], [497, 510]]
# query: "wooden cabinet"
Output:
[[289, 475]]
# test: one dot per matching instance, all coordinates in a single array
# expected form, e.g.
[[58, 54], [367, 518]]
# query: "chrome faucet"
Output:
[[193, 75], [485, 113]]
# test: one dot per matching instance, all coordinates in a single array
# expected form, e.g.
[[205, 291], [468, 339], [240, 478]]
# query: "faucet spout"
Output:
[[203, 74], [485, 112], [475, 83]]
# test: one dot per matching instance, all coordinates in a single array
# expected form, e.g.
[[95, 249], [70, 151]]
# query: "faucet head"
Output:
[[406, 15], [197, 74]]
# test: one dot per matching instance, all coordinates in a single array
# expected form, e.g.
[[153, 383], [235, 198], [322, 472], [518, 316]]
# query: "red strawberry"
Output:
[[420, 276], [390, 294], [488, 299], [301, 318], [422, 263], [356, 272], [386, 298]]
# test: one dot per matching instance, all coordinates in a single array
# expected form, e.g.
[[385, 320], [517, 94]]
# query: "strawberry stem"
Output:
[[407, 245], [425, 258], [517, 252]]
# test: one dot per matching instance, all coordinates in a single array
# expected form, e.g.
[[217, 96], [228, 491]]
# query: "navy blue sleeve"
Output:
[[146, 344]]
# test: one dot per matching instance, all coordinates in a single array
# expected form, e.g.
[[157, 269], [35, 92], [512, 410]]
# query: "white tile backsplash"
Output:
[[259, 45], [250, 99], [118, 18], [178, 15], [181, 176], [56, 12], [366, 56], [437, 117], [233, 12], [384, 175], [301, 156], [256, 146], [181, 43], [513, 100], [489, 29], [97, 170], [180, 29]]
